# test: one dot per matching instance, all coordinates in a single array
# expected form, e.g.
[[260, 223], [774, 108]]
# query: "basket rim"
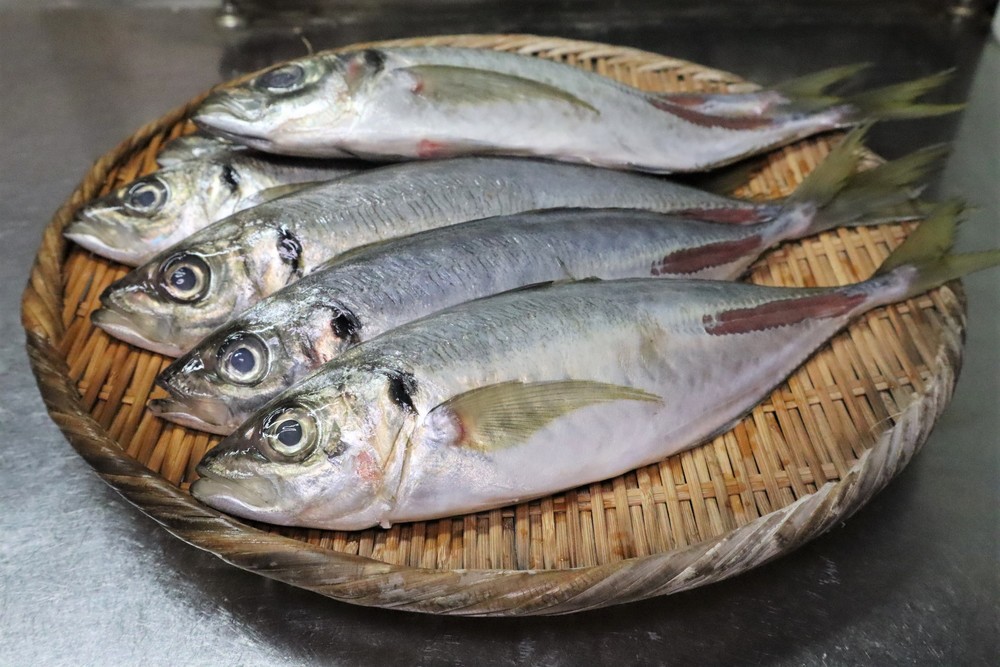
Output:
[[371, 582]]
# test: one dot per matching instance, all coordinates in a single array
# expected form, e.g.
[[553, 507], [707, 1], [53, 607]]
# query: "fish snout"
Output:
[[128, 313], [99, 232], [189, 413], [242, 496], [229, 111]]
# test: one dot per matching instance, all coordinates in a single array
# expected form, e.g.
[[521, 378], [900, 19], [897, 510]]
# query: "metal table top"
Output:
[[913, 578]]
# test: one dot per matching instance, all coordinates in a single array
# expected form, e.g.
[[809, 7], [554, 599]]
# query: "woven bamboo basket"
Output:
[[806, 458]]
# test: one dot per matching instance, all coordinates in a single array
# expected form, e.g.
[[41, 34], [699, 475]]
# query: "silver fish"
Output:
[[195, 147], [152, 213], [433, 102], [366, 292], [453, 413], [184, 293]]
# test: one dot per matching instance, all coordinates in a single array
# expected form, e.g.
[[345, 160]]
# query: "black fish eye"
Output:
[[290, 434], [184, 278], [146, 197], [281, 78], [243, 358]]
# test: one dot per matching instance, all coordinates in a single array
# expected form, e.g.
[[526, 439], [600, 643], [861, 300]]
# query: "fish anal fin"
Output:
[[463, 85], [502, 415]]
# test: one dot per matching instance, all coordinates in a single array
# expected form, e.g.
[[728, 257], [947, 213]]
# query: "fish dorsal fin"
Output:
[[502, 415], [463, 85]]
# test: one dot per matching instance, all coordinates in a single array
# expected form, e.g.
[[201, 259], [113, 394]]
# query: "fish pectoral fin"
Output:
[[270, 194], [502, 415], [463, 85]]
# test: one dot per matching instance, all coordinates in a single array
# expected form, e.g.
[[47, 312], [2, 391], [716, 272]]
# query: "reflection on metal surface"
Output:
[[229, 17]]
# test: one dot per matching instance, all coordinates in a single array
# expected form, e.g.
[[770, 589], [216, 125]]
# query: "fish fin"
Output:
[[929, 242], [885, 193], [502, 415], [833, 173], [898, 101], [924, 259], [837, 196], [810, 88], [464, 85], [277, 191]]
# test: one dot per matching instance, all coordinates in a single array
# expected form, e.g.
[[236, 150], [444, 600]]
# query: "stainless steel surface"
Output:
[[86, 579]]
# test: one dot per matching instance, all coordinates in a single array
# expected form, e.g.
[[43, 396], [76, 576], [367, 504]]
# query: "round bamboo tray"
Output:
[[806, 458]]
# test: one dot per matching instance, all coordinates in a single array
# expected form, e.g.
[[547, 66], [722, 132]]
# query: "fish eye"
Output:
[[243, 358], [146, 197], [290, 434], [281, 78], [184, 278]]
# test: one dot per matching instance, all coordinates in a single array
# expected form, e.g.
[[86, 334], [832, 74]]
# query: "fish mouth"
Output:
[[185, 413], [247, 498], [121, 327], [228, 117], [95, 236]]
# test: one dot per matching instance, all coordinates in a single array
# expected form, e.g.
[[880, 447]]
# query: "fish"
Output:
[[152, 213], [220, 382], [195, 147], [436, 102], [186, 291], [453, 413]]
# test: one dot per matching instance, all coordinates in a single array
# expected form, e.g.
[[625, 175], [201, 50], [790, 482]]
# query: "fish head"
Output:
[[283, 109], [315, 456], [238, 368], [133, 223], [187, 291]]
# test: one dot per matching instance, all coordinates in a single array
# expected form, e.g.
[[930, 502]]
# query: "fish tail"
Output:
[[810, 91], [835, 195], [925, 261], [897, 101]]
